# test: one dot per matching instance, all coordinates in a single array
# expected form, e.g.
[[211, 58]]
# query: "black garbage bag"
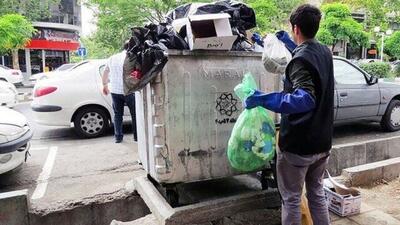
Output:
[[242, 16], [165, 34], [147, 55]]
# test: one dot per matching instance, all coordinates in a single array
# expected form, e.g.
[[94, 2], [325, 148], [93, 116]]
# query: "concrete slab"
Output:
[[374, 217], [147, 220], [14, 208], [368, 173], [209, 207]]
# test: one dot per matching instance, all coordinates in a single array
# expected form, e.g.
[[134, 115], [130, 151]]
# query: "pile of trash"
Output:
[[148, 45], [222, 25]]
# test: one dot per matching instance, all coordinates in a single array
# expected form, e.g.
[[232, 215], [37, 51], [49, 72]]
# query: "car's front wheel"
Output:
[[91, 122], [391, 119]]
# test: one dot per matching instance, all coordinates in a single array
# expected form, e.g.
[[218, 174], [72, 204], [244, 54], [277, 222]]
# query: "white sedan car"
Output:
[[11, 75], [75, 98], [15, 135], [8, 94], [45, 75]]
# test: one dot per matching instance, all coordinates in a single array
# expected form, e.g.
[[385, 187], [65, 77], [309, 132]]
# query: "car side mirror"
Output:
[[373, 80]]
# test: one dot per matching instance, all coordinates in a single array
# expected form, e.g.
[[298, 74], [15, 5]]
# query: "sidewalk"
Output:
[[368, 216]]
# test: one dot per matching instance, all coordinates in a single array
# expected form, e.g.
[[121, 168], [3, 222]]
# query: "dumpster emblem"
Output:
[[226, 104]]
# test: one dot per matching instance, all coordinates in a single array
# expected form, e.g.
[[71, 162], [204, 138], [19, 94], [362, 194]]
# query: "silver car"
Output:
[[360, 96]]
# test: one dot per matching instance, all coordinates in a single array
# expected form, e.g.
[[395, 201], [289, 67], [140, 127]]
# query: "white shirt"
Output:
[[115, 64]]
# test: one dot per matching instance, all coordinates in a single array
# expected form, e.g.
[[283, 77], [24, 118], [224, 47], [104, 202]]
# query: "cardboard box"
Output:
[[342, 205], [210, 31]]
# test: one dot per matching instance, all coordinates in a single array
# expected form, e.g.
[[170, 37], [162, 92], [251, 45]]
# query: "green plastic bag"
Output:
[[252, 141]]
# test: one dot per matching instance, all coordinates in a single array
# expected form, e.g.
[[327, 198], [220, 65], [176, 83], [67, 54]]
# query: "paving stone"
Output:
[[334, 217], [375, 217], [366, 208], [345, 221]]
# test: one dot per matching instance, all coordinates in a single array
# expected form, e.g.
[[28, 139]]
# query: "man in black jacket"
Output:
[[306, 105]]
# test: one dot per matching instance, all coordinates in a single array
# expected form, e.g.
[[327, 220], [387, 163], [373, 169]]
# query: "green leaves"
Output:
[[392, 45], [115, 18], [15, 31], [273, 15], [338, 25], [31, 9]]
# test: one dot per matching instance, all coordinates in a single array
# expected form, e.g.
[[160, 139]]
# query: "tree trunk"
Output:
[[333, 47], [15, 59]]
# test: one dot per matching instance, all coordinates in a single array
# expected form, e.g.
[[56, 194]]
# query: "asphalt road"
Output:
[[64, 169]]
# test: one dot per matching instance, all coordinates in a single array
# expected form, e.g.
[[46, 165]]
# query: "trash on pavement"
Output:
[[210, 31], [275, 56], [342, 201], [252, 141]]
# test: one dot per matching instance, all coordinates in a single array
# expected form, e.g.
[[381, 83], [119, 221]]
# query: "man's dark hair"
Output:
[[307, 18]]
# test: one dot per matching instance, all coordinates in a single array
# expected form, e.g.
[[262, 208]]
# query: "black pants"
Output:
[[119, 102]]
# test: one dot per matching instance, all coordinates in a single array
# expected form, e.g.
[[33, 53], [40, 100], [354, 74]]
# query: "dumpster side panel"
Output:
[[193, 112]]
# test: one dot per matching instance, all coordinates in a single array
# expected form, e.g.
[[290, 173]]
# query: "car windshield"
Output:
[[79, 65], [65, 67], [4, 67]]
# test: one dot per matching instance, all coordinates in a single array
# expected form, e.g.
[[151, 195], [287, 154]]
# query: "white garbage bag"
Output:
[[275, 56]]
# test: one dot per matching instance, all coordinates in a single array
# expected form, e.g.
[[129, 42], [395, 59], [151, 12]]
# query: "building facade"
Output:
[[57, 36]]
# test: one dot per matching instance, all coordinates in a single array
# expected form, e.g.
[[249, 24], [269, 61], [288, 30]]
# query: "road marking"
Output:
[[45, 174], [38, 148]]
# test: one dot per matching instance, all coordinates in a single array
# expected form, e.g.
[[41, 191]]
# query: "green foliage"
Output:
[[378, 69], [15, 31], [338, 25], [94, 50], [396, 71], [392, 45], [273, 15], [115, 18], [31, 9]]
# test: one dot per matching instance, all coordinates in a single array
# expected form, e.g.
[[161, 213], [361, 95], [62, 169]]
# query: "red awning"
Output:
[[53, 45]]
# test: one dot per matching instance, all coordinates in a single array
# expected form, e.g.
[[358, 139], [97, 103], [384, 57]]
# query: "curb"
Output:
[[359, 153], [369, 173], [14, 208]]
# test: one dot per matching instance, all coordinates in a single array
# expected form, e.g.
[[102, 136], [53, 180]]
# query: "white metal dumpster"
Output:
[[186, 115]]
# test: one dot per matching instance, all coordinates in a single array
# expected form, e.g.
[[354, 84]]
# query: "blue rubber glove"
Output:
[[284, 37], [299, 101], [256, 37]]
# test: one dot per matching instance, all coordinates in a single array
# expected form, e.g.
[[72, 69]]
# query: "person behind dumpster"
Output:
[[306, 105], [113, 75]]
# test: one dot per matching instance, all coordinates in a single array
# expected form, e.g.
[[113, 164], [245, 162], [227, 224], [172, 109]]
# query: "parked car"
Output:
[[15, 136], [11, 75], [363, 97], [8, 94], [75, 96], [45, 75]]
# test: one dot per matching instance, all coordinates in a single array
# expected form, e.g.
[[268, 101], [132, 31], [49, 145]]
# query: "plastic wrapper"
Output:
[[275, 56], [252, 141]]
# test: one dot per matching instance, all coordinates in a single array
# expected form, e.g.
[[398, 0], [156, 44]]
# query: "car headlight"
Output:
[[5, 158], [10, 132]]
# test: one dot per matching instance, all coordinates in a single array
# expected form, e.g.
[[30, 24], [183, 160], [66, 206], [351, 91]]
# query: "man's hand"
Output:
[[253, 100], [106, 91]]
